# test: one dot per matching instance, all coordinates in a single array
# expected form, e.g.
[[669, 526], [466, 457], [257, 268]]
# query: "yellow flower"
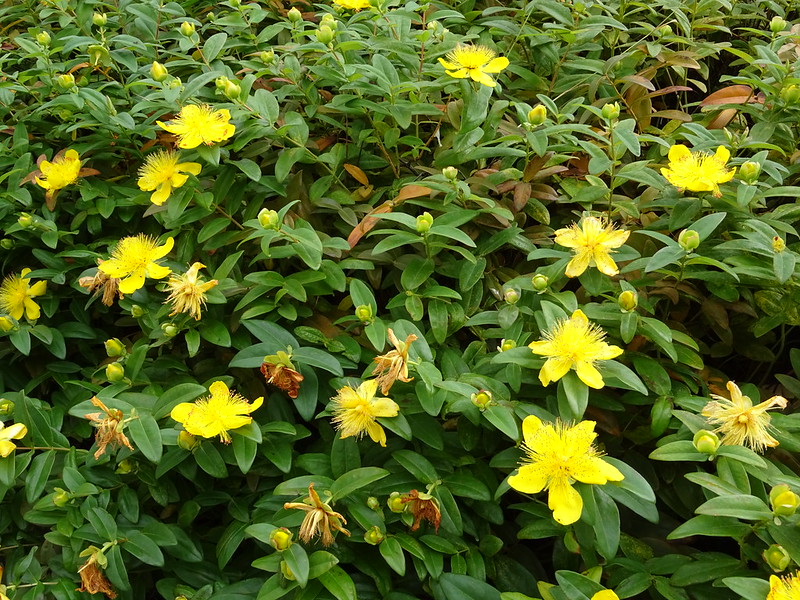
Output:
[[605, 595], [394, 364], [475, 62], [320, 518], [355, 411], [17, 431], [355, 5], [574, 343], [591, 242], [188, 291], [698, 171], [740, 422], [200, 124], [162, 172], [16, 292], [557, 456], [63, 171], [784, 588], [133, 259], [215, 415]]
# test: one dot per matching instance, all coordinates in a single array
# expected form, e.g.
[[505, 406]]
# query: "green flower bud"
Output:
[[98, 55], [777, 24], [778, 244], [114, 348], [99, 19], [540, 282], [232, 90], [537, 115], [158, 72], [43, 38], [689, 239], [749, 171], [628, 300], [482, 399], [664, 30], [125, 466], [187, 441], [790, 94], [61, 497], [450, 173], [783, 500], [777, 558], [285, 570], [364, 313], [424, 222], [187, 29], [66, 81], [374, 535], [7, 243], [280, 539], [115, 372], [137, 312], [373, 503], [25, 220], [324, 34], [511, 295], [706, 442], [294, 15], [6, 324], [6, 407], [611, 111], [395, 503], [506, 345], [267, 57], [169, 330], [269, 219], [173, 83], [329, 20], [235, 3]]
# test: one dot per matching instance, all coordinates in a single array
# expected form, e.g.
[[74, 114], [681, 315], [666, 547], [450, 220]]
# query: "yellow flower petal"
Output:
[[565, 502], [605, 595], [554, 369], [588, 374], [355, 411], [6, 448], [531, 479], [496, 65], [475, 62], [530, 426]]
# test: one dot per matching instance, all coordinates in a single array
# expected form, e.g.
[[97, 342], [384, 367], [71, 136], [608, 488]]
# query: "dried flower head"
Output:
[[393, 365], [110, 424], [101, 281], [320, 520], [188, 291], [93, 580], [279, 371], [423, 506]]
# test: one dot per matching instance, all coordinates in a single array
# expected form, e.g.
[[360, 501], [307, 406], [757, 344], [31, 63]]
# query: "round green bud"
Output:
[[664, 30], [374, 535], [537, 115], [749, 171], [329, 20], [187, 29], [511, 295], [137, 312], [267, 57], [783, 500], [115, 372], [364, 313], [125, 466], [114, 348], [173, 83], [269, 219], [43, 38], [506, 345], [169, 330], [540, 282], [424, 222], [628, 300], [66, 81], [99, 19], [373, 503], [6, 407], [450, 173], [61, 497], [6, 324], [706, 442], [324, 34], [611, 111], [158, 72], [7, 243], [294, 15], [285, 570], [395, 503], [232, 90], [790, 94], [482, 399], [689, 239], [25, 220], [777, 24], [280, 539], [187, 441], [777, 558]]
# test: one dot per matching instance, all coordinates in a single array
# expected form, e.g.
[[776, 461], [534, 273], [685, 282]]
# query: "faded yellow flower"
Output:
[[134, 258], [739, 422], [592, 243], [557, 456], [355, 5], [577, 344], [16, 293], [17, 431], [188, 291], [475, 62], [110, 424], [200, 124], [393, 365], [784, 588], [216, 414], [355, 411], [101, 281], [93, 580], [320, 520], [698, 171], [162, 172]]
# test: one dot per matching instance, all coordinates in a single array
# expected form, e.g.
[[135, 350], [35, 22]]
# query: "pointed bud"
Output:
[[294, 15], [329, 20], [689, 239], [187, 29], [285, 570], [777, 558], [706, 442], [6, 324], [374, 535], [777, 24], [450, 173], [537, 115], [115, 372], [99, 19], [158, 72], [611, 111], [232, 90], [114, 348], [424, 222], [280, 539], [267, 57], [628, 301], [540, 282], [324, 34], [373, 503]]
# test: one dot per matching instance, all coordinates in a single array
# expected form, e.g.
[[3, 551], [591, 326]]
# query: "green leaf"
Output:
[[392, 553], [214, 45], [249, 168], [355, 480], [183, 392], [747, 587], [321, 562], [215, 332], [573, 397], [307, 245], [297, 560], [502, 417], [244, 450], [416, 464], [338, 583], [615, 374], [143, 548], [742, 506], [209, 459], [38, 473], [146, 436], [451, 586], [678, 451], [115, 570], [710, 526], [416, 272]]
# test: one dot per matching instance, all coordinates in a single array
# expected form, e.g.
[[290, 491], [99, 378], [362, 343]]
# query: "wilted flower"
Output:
[[110, 424], [784, 588], [475, 62], [591, 243], [355, 411], [698, 171], [423, 506], [279, 371], [557, 456], [216, 414], [16, 293], [101, 281], [93, 580], [393, 365], [162, 172], [741, 423], [200, 124], [17, 431], [320, 520], [188, 291], [577, 344], [134, 258]]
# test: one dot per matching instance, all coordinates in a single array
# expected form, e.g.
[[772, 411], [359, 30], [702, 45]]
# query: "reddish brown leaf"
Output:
[[367, 223], [357, 174], [732, 94], [412, 191]]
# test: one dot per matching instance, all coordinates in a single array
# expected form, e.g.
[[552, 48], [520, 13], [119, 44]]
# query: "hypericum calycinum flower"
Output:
[[200, 124], [354, 5], [475, 62], [741, 423], [320, 520], [63, 170], [216, 414], [557, 456], [784, 588], [17, 431], [355, 411], [162, 172], [698, 171], [134, 258], [574, 343], [188, 291], [393, 365], [605, 595], [16, 292], [591, 242]]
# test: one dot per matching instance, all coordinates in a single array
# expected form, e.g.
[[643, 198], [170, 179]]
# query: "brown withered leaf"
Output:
[[368, 222], [283, 378], [357, 174]]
